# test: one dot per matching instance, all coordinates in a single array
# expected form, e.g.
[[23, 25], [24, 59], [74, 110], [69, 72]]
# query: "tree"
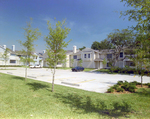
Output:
[[80, 62], [95, 45], [72, 61], [64, 63], [140, 13], [104, 62], [105, 44], [122, 40], [55, 45], [82, 48], [31, 35], [140, 65], [5, 56]]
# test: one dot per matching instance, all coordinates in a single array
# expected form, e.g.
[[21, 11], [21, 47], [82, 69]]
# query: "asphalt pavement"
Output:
[[90, 81]]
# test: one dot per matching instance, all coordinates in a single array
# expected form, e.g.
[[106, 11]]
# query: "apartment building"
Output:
[[14, 57]]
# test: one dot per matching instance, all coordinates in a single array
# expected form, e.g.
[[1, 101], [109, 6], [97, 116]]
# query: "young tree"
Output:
[[139, 60], [31, 35], [72, 61], [104, 62], [64, 63], [5, 56], [55, 45], [80, 62]]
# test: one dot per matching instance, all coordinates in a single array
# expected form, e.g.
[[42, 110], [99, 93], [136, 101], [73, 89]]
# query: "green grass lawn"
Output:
[[34, 100], [88, 69]]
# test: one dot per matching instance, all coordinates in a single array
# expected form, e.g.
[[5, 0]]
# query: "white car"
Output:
[[37, 66], [31, 66]]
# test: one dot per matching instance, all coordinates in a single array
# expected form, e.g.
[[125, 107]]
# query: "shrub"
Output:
[[125, 86], [120, 89], [110, 90], [134, 83], [115, 87], [148, 85], [119, 82], [132, 88]]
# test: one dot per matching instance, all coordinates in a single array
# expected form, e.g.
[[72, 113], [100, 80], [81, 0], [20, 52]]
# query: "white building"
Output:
[[14, 57], [93, 58]]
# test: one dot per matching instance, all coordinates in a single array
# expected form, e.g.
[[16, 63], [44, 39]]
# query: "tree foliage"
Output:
[[5, 56], [80, 62], [82, 48], [121, 40], [105, 44], [31, 35], [55, 41], [72, 61], [140, 13]]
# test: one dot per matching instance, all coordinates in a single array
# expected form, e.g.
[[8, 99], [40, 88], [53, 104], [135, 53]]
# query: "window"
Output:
[[109, 56], [88, 55], [75, 57], [121, 54], [12, 61], [84, 55]]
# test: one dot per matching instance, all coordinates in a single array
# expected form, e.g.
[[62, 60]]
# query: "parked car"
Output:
[[37, 66], [31, 66], [78, 68]]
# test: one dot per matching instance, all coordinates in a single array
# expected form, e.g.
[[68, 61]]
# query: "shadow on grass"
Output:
[[18, 78], [36, 86], [143, 92], [85, 103]]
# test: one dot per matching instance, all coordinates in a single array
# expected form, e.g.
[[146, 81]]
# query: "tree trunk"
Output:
[[26, 73], [5, 64], [26, 70], [141, 81], [53, 79]]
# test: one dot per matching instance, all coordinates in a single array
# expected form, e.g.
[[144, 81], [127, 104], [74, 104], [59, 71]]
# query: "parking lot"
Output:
[[90, 81]]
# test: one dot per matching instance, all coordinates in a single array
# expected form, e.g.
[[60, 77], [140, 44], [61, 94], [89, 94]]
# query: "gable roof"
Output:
[[2, 47]]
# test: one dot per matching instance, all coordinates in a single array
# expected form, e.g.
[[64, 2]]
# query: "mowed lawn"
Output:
[[34, 99]]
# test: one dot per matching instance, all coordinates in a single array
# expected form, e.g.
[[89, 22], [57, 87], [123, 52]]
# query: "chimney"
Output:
[[43, 51], [13, 48], [4, 46], [74, 49]]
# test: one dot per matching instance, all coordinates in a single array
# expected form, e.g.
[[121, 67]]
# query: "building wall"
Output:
[[88, 64], [67, 61]]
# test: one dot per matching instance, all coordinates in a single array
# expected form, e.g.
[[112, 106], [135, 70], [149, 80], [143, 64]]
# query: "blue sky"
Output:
[[89, 20]]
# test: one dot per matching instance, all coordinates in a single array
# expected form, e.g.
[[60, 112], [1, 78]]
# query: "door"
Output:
[[101, 65]]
